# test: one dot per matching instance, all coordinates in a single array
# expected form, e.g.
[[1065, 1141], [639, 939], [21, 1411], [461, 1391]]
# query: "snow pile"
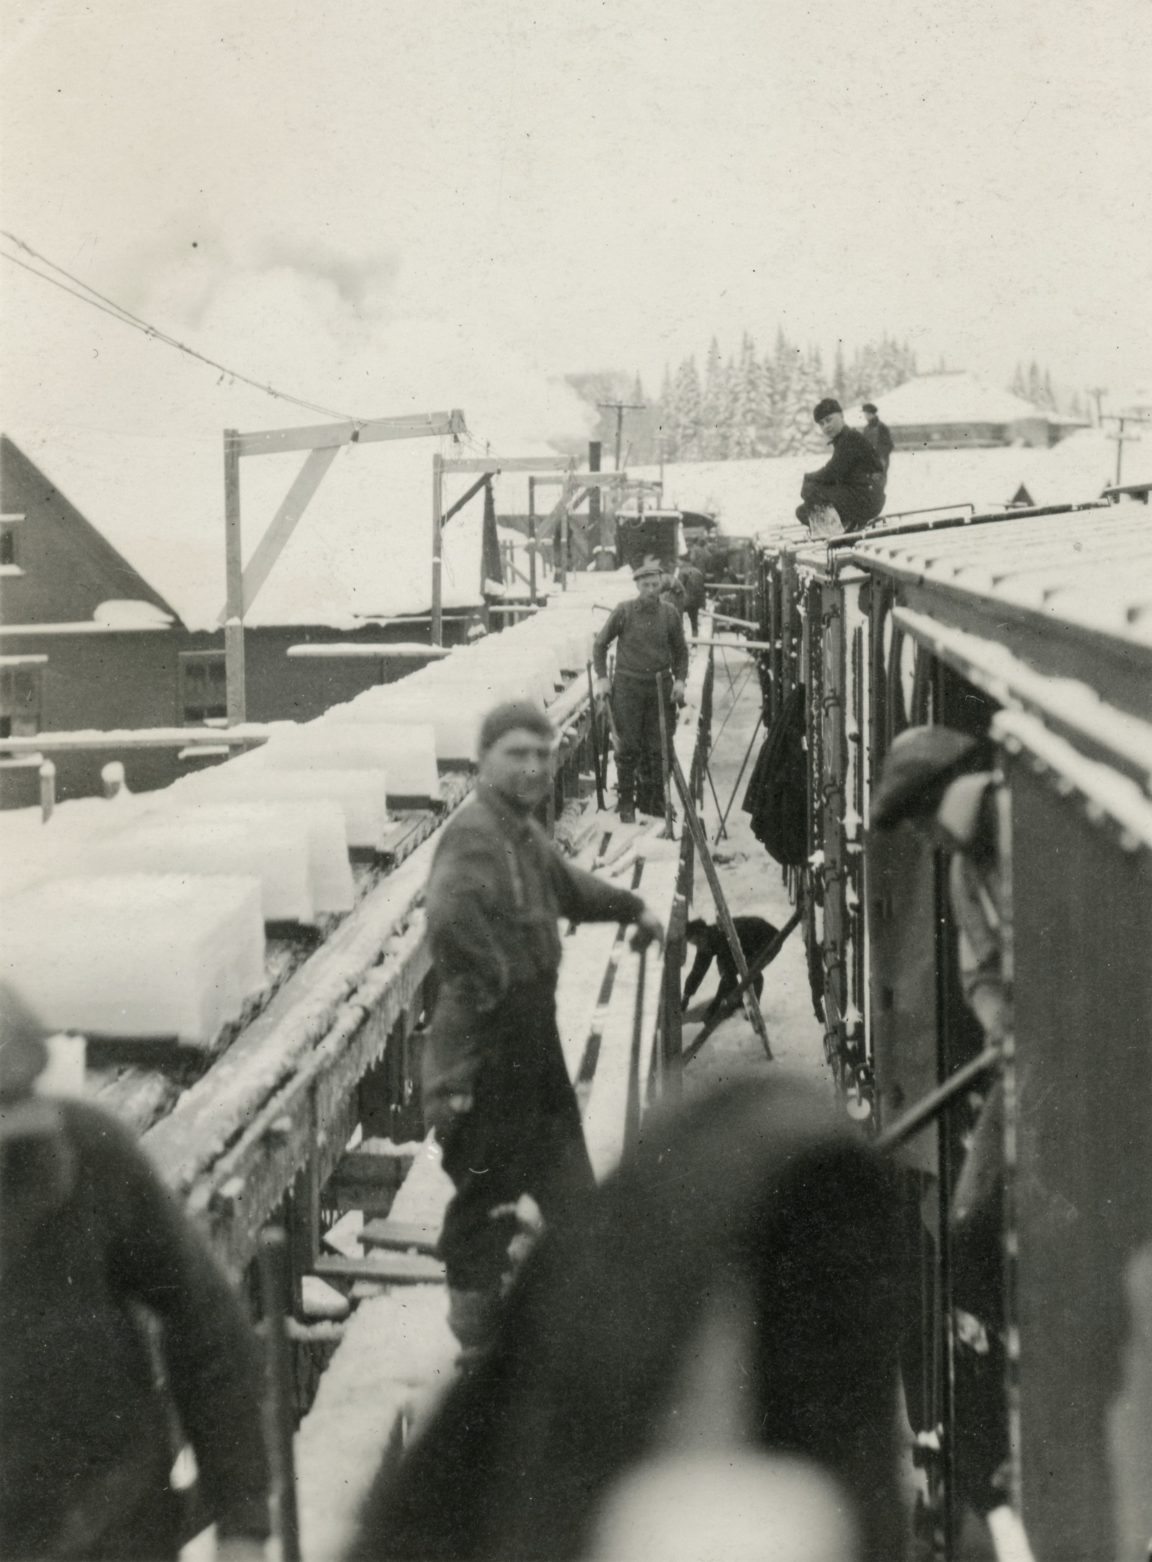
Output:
[[136, 956]]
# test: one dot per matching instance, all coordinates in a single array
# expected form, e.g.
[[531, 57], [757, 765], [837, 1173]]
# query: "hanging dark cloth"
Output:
[[777, 795]]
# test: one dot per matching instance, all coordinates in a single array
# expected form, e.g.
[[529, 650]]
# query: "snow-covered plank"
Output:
[[396, 1352], [605, 1115]]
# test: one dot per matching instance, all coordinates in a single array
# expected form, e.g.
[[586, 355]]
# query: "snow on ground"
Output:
[[753, 886], [749, 496]]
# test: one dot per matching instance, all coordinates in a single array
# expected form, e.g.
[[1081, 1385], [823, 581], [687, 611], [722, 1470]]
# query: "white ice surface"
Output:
[[360, 794], [136, 956], [210, 841], [340, 741]]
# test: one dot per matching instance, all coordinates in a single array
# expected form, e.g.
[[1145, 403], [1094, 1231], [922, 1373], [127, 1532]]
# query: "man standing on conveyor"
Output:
[[496, 1087], [651, 663]]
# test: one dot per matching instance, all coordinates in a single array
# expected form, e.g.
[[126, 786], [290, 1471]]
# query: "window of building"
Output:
[[203, 688], [9, 552], [21, 698]]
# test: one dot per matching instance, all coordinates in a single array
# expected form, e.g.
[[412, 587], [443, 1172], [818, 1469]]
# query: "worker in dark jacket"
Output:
[[851, 483], [877, 434], [114, 1323], [651, 664], [693, 582], [496, 1088]]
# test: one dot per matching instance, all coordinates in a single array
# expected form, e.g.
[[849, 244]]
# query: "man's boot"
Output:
[[472, 1318]]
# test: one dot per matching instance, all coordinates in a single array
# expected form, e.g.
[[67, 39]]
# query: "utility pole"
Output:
[[621, 407], [1097, 392], [1120, 419]]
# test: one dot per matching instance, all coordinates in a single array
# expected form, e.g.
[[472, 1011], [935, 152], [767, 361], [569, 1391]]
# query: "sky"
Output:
[[396, 205]]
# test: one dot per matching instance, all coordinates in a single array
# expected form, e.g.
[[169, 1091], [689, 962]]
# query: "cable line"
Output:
[[117, 311]]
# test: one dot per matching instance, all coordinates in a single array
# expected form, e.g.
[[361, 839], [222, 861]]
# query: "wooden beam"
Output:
[[250, 736], [464, 498], [494, 464], [284, 522], [585, 479], [325, 436]]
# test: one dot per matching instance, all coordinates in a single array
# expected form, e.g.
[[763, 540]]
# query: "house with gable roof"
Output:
[[112, 583], [954, 409]]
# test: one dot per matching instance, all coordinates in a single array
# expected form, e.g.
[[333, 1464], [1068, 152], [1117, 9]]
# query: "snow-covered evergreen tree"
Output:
[[840, 376], [686, 400], [713, 411], [745, 403]]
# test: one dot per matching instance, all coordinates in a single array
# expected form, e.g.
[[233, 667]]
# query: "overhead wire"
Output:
[[110, 307]]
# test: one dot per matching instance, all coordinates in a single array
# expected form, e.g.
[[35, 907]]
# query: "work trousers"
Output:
[[855, 506], [522, 1135], [639, 757]]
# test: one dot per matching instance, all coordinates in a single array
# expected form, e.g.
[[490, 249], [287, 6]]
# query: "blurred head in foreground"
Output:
[[725, 1302]]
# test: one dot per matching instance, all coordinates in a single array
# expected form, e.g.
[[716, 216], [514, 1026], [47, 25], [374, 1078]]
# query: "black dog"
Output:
[[754, 935]]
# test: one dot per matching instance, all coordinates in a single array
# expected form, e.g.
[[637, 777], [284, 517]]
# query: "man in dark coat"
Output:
[[693, 582], [877, 434], [115, 1323], [496, 1088], [651, 665], [851, 482]]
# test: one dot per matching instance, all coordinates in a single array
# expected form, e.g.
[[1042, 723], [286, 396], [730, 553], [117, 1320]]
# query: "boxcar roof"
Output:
[[1092, 568]]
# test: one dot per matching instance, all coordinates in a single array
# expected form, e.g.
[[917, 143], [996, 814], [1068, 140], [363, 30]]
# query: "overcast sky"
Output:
[[388, 203]]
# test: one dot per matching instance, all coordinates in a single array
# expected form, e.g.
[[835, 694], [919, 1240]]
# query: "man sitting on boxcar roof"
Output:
[[851, 482]]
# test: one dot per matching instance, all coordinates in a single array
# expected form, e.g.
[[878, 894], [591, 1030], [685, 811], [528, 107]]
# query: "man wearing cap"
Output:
[[877, 434], [851, 482], [97, 1254], [496, 1088], [651, 664]]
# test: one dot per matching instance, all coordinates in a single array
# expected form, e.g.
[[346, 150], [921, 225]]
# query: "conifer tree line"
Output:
[[750, 404], [761, 405], [1035, 385]]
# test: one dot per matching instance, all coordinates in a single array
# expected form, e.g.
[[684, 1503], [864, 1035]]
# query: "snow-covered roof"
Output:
[[1093, 568], [955, 396], [362, 549]]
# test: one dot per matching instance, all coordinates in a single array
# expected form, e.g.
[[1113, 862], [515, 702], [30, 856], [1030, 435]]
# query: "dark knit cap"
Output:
[[508, 718], [823, 408], [869, 406], [920, 761]]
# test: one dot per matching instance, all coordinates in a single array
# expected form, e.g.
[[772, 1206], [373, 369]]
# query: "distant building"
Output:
[[107, 621], [955, 409]]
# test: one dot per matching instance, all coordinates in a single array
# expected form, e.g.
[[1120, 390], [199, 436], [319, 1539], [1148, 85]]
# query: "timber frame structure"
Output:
[[576, 486], [322, 442]]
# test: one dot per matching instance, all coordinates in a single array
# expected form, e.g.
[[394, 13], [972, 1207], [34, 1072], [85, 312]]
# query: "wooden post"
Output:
[[565, 494], [532, 540], [234, 566], [281, 1410], [595, 505], [437, 582], [48, 790]]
